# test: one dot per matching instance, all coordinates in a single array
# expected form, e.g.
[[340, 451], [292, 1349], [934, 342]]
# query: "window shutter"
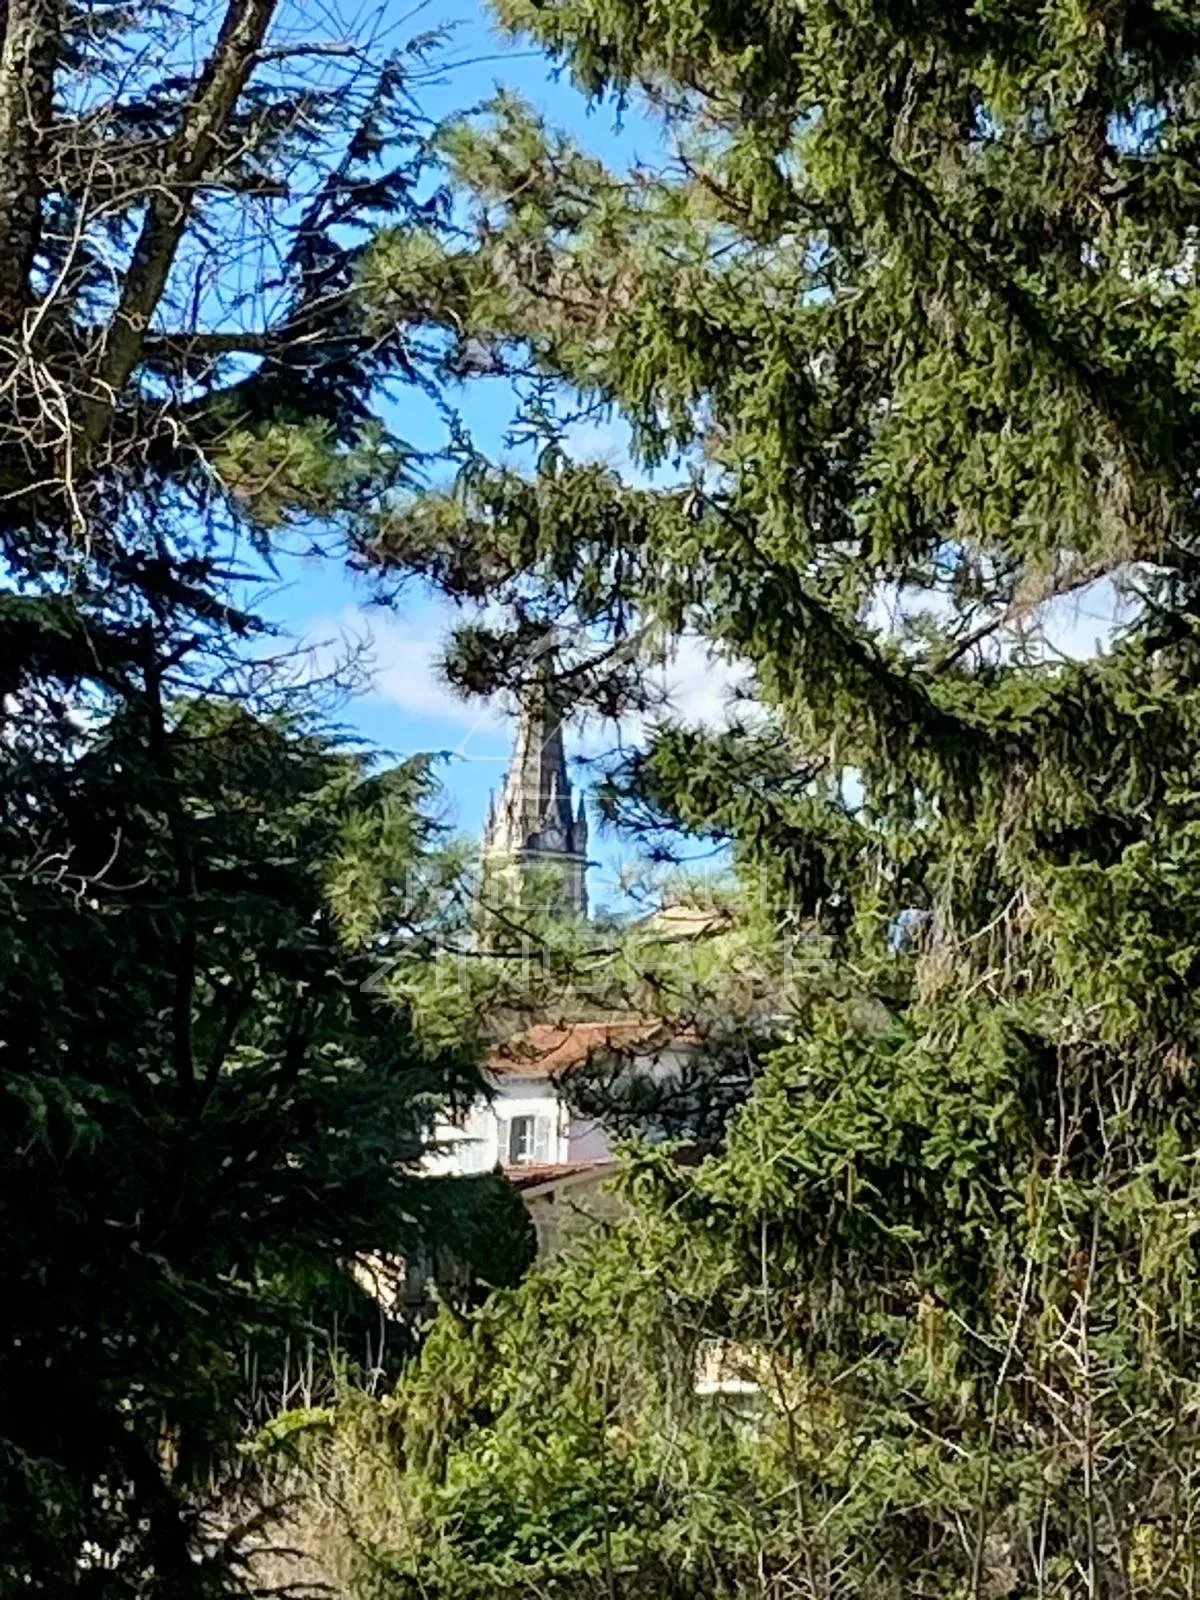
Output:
[[541, 1139]]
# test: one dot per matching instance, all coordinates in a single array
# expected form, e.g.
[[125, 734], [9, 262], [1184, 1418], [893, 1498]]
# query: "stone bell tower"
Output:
[[534, 822]]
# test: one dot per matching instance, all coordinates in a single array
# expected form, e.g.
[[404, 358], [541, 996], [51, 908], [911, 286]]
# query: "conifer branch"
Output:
[[188, 155]]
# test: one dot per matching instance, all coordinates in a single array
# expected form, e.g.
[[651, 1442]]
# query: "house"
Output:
[[557, 1159]]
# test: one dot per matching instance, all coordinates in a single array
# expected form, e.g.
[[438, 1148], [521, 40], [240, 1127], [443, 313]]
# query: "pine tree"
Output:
[[212, 1108], [913, 315], [221, 240]]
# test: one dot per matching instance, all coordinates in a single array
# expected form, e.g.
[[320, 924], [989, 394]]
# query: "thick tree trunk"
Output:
[[27, 61], [226, 74]]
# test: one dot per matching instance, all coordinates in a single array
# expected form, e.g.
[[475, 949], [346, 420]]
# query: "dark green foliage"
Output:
[[224, 240], [205, 1112], [955, 1273], [221, 239], [913, 318]]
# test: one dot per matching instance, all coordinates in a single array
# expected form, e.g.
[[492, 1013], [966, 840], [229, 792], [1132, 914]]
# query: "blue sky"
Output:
[[406, 708]]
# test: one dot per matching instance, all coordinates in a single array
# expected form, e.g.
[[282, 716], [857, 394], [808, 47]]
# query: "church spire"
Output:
[[534, 823]]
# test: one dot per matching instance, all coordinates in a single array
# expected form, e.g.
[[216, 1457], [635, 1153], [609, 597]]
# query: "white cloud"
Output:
[[701, 685], [700, 688], [1083, 625], [400, 652], [610, 442], [1078, 625], [408, 675], [607, 442], [403, 652]]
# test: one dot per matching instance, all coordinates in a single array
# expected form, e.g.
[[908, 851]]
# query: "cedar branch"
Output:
[[191, 151]]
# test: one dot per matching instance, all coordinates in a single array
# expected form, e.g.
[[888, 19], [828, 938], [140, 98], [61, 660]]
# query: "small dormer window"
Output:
[[528, 1140]]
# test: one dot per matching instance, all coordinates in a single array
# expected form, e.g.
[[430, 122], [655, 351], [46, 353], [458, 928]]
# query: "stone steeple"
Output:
[[533, 822]]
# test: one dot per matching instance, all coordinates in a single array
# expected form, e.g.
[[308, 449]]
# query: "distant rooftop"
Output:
[[529, 1175], [548, 1048]]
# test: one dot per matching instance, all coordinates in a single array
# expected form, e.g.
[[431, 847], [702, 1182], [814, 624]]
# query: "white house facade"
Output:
[[525, 1126]]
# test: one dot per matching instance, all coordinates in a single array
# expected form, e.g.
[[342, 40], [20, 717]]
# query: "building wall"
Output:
[[480, 1142], [587, 1141]]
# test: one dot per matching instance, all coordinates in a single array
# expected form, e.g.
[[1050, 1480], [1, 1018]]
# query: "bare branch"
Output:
[[224, 77]]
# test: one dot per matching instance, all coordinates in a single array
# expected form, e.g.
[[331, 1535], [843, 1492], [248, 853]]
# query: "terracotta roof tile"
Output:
[[531, 1175], [549, 1048]]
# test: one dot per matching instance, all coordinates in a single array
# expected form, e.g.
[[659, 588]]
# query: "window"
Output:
[[528, 1140]]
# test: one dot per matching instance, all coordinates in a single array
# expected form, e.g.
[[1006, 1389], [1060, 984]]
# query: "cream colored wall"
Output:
[[480, 1143]]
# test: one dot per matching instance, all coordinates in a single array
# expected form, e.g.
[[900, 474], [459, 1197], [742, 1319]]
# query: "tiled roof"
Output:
[[549, 1048], [533, 1174]]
